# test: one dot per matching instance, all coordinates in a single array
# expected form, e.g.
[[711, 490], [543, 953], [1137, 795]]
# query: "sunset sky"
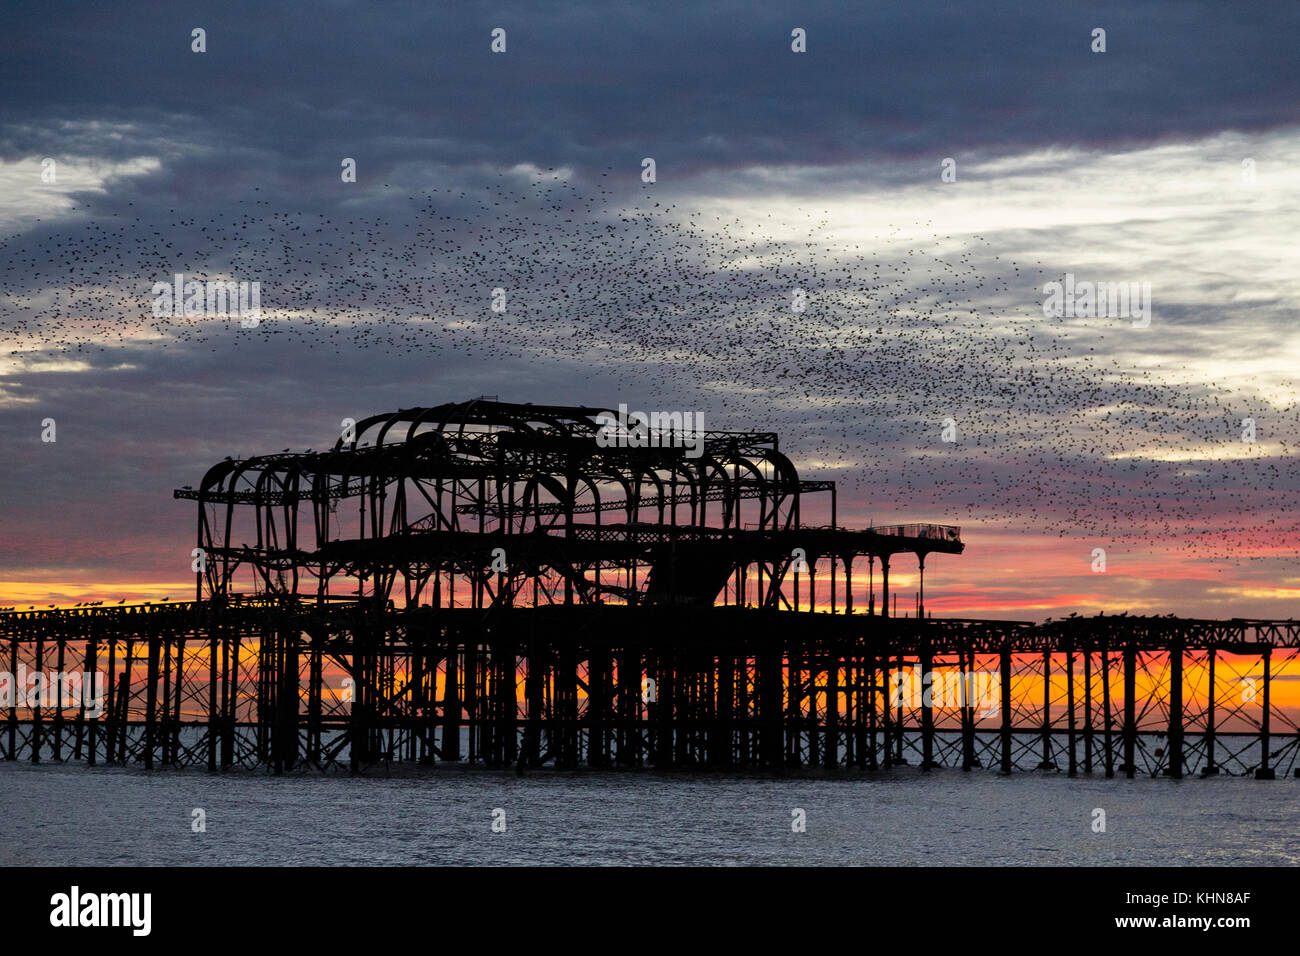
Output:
[[1168, 159]]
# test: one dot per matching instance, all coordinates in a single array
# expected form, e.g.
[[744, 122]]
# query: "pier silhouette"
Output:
[[489, 583]]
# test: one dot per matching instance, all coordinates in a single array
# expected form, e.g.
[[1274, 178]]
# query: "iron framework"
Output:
[[493, 583]]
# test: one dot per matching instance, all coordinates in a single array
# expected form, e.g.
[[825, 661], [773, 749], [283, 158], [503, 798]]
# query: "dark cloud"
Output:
[[698, 86]]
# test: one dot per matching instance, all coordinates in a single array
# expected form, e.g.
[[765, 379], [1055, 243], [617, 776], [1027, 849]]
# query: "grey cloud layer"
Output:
[[699, 86]]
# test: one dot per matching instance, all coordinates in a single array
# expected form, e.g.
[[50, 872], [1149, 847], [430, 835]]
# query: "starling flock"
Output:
[[863, 356]]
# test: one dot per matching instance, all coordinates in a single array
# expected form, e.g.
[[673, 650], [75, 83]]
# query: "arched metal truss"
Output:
[[484, 504]]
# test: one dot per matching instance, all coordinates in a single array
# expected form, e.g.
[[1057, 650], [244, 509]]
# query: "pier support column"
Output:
[[1130, 710], [630, 676], [212, 697], [534, 704], [164, 717], [92, 669], [1046, 763], [927, 706], [1087, 708], [660, 713], [920, 599], [37, 667], [1265, 772], [1005, 688], [884, 584], [11, 752], [770, 711], [793, 707], [872, 678], [61, 646], [848, 584], [315, 692], [886, 712], [1109, 760], [229, 697], [1072, 767], [871, 584], [124, 703], [898, 720], [720, 740], [831, 747], [1211, 768], [110, 741], [472, 671], [284, 740], [451, 703], [1175, 736], [598, 695], [814, 738], [969, 688]]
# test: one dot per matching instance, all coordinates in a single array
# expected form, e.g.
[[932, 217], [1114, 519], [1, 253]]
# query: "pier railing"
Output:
[[941, 532]]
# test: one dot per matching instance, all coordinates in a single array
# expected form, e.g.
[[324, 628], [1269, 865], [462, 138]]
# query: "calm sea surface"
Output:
[[64, 815]]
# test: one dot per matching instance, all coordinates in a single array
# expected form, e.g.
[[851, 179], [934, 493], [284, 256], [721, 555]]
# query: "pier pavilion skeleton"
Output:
[[486, 582]]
